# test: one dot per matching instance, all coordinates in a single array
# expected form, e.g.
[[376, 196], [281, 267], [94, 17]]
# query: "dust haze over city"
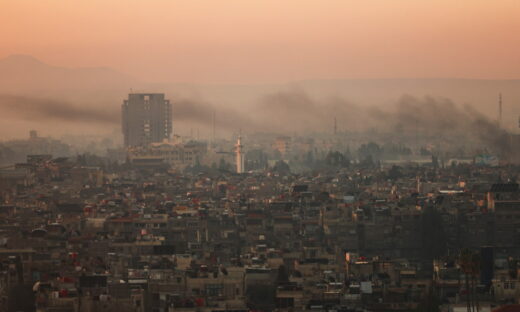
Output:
[[259, 155]]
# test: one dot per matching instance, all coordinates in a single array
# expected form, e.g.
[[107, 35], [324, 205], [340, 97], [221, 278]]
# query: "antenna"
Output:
[[500, 109], [335, 126], [416, 134], [214, 126]]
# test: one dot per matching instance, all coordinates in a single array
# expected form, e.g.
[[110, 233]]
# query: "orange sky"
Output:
[[269, 40]]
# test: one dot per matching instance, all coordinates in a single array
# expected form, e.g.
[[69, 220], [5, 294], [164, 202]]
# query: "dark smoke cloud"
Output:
[[278, 112], [198, 112], [295, 110], [441, 120], [431, 119], [289, 112], [440, 116], [187, 112], [45, 110]]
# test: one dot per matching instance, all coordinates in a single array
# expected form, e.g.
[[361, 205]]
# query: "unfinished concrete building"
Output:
[[146, 118]]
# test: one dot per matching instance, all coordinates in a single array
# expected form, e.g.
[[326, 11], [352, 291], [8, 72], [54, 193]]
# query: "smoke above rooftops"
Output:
[[50, 110], [285, 112]]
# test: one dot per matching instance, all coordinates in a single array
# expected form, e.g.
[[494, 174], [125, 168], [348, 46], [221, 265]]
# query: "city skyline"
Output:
[[259, 156]]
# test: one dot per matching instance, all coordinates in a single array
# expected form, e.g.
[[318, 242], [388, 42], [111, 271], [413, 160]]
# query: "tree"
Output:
[[371, 149], [309, 158], [282, 168], [197, 162], [395, 173], [223, 165], [256, 159], [425, 152], [336, 159], [368, 162]]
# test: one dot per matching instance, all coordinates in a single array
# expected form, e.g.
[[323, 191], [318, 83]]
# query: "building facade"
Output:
[[178, 156], [146, 118]]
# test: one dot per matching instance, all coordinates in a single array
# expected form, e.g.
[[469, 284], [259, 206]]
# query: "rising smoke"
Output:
[[49, 110], [289, 112]]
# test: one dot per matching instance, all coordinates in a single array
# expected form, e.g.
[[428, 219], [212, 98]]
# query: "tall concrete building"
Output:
[[146, 118]]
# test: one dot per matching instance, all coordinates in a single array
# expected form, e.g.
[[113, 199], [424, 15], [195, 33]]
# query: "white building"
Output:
[[239, 156]]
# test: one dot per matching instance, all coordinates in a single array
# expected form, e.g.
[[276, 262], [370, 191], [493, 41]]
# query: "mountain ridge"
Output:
[[21, 72]]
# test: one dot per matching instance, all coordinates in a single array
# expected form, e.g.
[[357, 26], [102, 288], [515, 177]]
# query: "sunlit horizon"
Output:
[[269, 41]]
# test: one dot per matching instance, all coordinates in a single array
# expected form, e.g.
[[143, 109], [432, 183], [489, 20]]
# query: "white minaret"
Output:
[[239, 156]]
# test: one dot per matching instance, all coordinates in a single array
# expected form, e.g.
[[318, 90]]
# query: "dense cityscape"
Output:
[[257, 222], [259, 156]]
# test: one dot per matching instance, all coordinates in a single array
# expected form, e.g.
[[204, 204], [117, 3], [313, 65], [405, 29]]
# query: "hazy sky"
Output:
[[269, 40]]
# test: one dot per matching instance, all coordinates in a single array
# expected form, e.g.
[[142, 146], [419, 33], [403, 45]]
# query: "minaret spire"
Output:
[[239, 155]]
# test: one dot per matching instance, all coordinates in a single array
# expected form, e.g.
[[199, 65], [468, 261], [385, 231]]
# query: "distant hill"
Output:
[[24, 73]]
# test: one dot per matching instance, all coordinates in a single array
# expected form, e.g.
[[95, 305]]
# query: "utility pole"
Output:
[[213, 135], [500, 110]]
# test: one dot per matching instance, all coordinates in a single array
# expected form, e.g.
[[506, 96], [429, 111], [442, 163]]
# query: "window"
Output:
[[214, 289]]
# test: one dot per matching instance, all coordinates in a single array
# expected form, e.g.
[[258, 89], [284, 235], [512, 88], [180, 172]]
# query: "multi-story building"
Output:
[[178, 156], [282, 145], [146, 118]]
